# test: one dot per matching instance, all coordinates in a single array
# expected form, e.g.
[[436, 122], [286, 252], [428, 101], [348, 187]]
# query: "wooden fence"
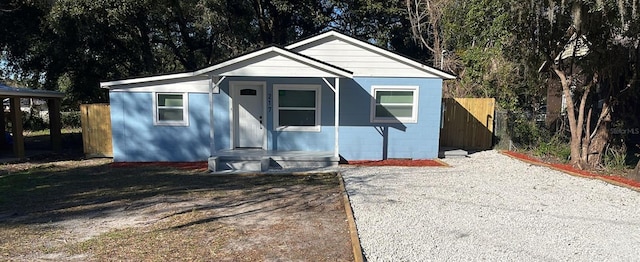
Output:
[[96, 130], [467, 123]]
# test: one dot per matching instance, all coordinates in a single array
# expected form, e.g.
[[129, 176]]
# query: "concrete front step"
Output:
[[452, 152], [265, 163]]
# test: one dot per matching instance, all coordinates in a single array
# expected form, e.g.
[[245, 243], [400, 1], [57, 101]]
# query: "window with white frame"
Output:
[[170, 109], [394, 104], [296, 107]]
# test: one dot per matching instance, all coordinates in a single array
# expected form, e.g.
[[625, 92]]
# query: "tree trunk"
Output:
[[575, 126], [597, 146], [600, 138], [635, 175], [584, 144]]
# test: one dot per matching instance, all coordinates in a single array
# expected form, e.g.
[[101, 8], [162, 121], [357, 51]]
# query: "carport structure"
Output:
[[14, 95]]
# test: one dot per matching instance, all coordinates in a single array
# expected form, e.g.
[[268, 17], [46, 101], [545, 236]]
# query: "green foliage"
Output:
[[557, 147], [615, 157], [32, 121], [72, 45], [523, 131], [482, 37], [70, 119], [375, 20]]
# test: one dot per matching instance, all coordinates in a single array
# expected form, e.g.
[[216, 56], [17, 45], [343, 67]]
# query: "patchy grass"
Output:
[[20, 240], [46, 132], [90, 210], [161, 242]]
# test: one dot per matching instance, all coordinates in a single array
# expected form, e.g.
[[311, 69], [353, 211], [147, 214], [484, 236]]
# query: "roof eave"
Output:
[[31, 95], [337, 71], [111, 84], [219, 69]]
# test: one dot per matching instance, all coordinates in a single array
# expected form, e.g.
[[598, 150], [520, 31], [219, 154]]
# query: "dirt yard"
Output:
[[90, 210]]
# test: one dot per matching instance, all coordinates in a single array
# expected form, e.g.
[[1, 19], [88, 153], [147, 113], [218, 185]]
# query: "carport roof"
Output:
[[8, 91]]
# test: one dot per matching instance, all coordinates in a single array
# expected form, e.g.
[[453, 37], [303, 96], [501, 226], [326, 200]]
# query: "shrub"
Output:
[[70, 119], [32, 121], [523, 131], [615, 157], [557, 147]]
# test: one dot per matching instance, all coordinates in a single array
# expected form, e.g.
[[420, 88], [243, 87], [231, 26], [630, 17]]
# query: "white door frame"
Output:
[[233, 85]]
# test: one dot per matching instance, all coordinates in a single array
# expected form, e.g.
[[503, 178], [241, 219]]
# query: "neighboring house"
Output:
[[555, 107], [29, 104], [279, 103]]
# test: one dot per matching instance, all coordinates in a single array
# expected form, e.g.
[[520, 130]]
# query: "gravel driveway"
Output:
[[491, 207]]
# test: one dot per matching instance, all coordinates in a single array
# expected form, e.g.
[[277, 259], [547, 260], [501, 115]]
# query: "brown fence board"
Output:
[[467, 123], [96, 130]]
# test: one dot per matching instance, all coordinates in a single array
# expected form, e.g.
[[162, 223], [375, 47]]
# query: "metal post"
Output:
[[337, 117]]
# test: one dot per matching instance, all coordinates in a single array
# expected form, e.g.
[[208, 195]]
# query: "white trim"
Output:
[[220, 69], [195, 84], [336, 146], [224, 69], [234, 85], [110, 84], [329, 84], [214, 84], [414, 108], [372, 48], [185, 110], [276, 107], [165, 89]]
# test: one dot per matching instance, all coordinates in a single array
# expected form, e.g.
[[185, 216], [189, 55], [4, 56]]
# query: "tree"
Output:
[[283, 21], [425, 17], [484, 53], [374, 20], [591, 48], [72, 45], [602, 28]]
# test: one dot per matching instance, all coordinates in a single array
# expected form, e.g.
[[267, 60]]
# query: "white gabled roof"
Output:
[[275, 61], [271, 61], [302, 45]]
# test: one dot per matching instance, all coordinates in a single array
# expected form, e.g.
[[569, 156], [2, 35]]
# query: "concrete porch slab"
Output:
[[264, 160]]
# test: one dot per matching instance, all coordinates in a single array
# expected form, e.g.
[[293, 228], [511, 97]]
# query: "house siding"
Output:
[[362, 140], [135, 138], [274, 65], [282, 140], [363, 62]]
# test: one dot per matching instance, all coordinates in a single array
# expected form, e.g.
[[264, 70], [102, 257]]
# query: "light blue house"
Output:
[[307, 104]]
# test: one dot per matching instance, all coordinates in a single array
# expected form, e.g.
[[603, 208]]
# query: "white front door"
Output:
[[248, 115]]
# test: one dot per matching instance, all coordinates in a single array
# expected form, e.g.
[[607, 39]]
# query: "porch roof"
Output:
[[271, 61]]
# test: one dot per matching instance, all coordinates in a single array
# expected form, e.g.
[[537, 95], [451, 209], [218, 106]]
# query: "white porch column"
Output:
[[212, 143], [336, 152], [214, 83]]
